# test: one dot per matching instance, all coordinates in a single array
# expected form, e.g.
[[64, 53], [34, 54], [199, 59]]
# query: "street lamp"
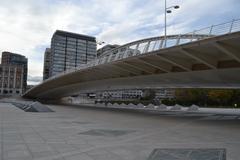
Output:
[[168, 10]]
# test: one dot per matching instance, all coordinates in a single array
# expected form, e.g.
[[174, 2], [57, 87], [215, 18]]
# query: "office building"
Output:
[[70, 50], [11, 79], [9, 58], [46, 66], [120, 94]]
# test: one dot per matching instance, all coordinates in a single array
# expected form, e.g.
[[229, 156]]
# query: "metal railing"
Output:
[[153, 44]]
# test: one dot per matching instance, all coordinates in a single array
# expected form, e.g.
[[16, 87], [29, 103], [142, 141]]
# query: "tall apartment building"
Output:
[[11, 79], [9, 58], [69, 50], [46, 66]]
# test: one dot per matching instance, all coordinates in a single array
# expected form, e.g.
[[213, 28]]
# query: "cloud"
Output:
[[33, 80], [26, 26]]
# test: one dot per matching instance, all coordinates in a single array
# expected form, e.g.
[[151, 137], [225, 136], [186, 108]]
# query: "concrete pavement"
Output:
[[80, 133]]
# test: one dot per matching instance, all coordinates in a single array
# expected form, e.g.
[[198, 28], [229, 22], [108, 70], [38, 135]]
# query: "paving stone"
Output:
[[109, 134], [14, 151], [79, 157], [105, 132], [102, 154]]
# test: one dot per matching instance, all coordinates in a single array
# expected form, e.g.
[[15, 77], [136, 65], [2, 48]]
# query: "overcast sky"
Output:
[[26, 26]]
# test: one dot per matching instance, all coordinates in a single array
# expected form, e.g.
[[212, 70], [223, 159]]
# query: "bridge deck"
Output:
[[211, 63]]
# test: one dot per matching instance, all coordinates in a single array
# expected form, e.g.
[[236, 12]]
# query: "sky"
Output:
[[26, 26]]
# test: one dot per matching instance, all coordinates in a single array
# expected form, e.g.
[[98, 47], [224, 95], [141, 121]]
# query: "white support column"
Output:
[[155, 42], [228, 50], [194, 55], [116, 56], [125, 54], [135, 50], [146, 47], [178, 40], [162, 41], [109, 58]]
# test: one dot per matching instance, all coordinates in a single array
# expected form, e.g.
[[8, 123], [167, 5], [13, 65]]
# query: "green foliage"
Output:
[[220, 97], [169, 102], [206, 97]]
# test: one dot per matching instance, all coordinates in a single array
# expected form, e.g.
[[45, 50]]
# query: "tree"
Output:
[[220, 96], [191, 96]]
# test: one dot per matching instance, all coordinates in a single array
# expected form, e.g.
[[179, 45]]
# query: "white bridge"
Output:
[[206, 58]]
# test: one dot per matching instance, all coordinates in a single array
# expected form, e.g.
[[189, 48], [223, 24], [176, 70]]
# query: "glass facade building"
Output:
[[70, 50]]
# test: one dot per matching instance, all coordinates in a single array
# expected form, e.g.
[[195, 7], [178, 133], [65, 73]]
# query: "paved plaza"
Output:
[[81, 133]]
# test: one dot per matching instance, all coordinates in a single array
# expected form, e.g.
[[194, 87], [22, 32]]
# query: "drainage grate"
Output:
[[188, 154], [105, 132]]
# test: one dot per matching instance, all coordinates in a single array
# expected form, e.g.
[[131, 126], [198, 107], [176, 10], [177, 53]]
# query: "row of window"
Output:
[[83, 47], [73, 58], [73, 40], [81, 50], [67, 64], [59, 60], [9, 91], [64, 43], [72, 54]]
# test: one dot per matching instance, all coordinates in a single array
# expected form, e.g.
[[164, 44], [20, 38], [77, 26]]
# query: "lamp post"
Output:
[[167, 10]]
